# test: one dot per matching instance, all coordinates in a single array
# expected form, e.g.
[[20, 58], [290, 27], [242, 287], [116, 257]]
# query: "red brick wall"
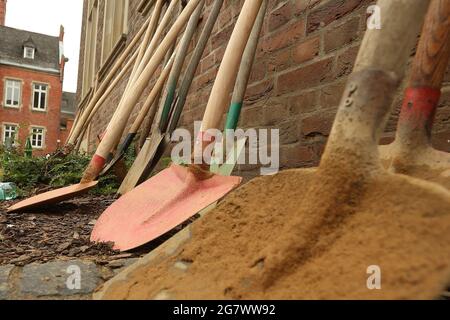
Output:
[[25, 117], [307, 50], [2, 12]]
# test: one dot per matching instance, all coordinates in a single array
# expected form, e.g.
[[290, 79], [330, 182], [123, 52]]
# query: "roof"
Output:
[[13, 40], [68, 105]]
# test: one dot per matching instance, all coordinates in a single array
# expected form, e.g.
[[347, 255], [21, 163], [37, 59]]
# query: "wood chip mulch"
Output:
[[60, 232]]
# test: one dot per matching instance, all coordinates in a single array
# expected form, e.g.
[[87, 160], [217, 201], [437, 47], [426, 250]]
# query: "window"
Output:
[[90, 47], [37, 137], [116, 16], [39, 97], [9, 134], [12, 93], [28, 52]]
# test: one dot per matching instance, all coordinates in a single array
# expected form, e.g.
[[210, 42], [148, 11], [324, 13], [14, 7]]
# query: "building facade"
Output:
[[307, 49], [31, 75]]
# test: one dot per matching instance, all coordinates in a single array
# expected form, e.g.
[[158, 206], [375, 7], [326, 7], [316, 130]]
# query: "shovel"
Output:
[[118, 121], [177, 193], [154, 146], [340, 220], [412, 153], [172, 82], [237, 100]]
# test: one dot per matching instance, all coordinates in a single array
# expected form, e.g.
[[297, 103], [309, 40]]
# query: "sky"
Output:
[[45, 16]]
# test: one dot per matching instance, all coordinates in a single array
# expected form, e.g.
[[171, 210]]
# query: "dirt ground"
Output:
[[59, 232]]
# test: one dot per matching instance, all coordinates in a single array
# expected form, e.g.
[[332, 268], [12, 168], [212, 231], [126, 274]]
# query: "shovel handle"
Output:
[[430, 63], [433, 51], [180, 101], [151, 29], [178, 65], [150, 50], [76, 130], [245, 70], [229, 67], [152, 96]]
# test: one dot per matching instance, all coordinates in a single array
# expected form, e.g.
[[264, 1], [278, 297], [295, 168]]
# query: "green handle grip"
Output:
[[233, 115], [167, 107]]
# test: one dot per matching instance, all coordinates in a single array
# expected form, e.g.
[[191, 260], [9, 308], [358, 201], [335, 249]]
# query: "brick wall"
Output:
[[25, 116], [306, 51], [2, 12]]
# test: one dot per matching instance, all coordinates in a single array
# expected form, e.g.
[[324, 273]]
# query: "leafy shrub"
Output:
[[55, 171]]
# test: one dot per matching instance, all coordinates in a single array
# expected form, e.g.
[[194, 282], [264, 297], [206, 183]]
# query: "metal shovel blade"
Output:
[[53, 196], [159, 205]]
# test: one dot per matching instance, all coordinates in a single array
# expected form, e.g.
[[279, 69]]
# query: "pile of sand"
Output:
[[309, 234]]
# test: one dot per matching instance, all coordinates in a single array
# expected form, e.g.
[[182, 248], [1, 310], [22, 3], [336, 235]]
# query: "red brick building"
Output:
[[31, 75]]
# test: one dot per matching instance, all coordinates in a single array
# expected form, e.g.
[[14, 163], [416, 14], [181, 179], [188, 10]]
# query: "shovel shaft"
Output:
[[105, 95], [245, 69], [193, 64], [178, 65], [430, 63], [148, 34], [152, 96], [154, 42], [149, 48], [149, 102], [104, 85], [229, 67]]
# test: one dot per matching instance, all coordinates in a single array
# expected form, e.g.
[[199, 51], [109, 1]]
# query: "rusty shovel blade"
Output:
[[53, 196], [159, 205]]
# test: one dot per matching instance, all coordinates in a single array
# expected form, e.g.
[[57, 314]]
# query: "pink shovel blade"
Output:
[[157, 206], [53, 196]]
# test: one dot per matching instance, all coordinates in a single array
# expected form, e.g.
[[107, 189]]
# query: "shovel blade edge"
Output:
[[159, 205], [52, 197]]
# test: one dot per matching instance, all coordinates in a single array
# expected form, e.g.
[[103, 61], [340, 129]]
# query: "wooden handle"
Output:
[[106, 94], [193, 64], [430, 63], [245, 70], [226, 77], [149, 50], [153, 36], [178, 65], [148, 34], [385, 48], [117, 125], [105, 83], [155, 40], [153, 94], [433, 51]]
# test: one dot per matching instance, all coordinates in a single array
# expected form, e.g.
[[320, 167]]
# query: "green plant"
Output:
[[54, 171]]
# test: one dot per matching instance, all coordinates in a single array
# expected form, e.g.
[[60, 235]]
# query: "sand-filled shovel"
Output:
[[348, 230], [177, 193], [171, 86], [156, 144], [118, 122], [412, 153]]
